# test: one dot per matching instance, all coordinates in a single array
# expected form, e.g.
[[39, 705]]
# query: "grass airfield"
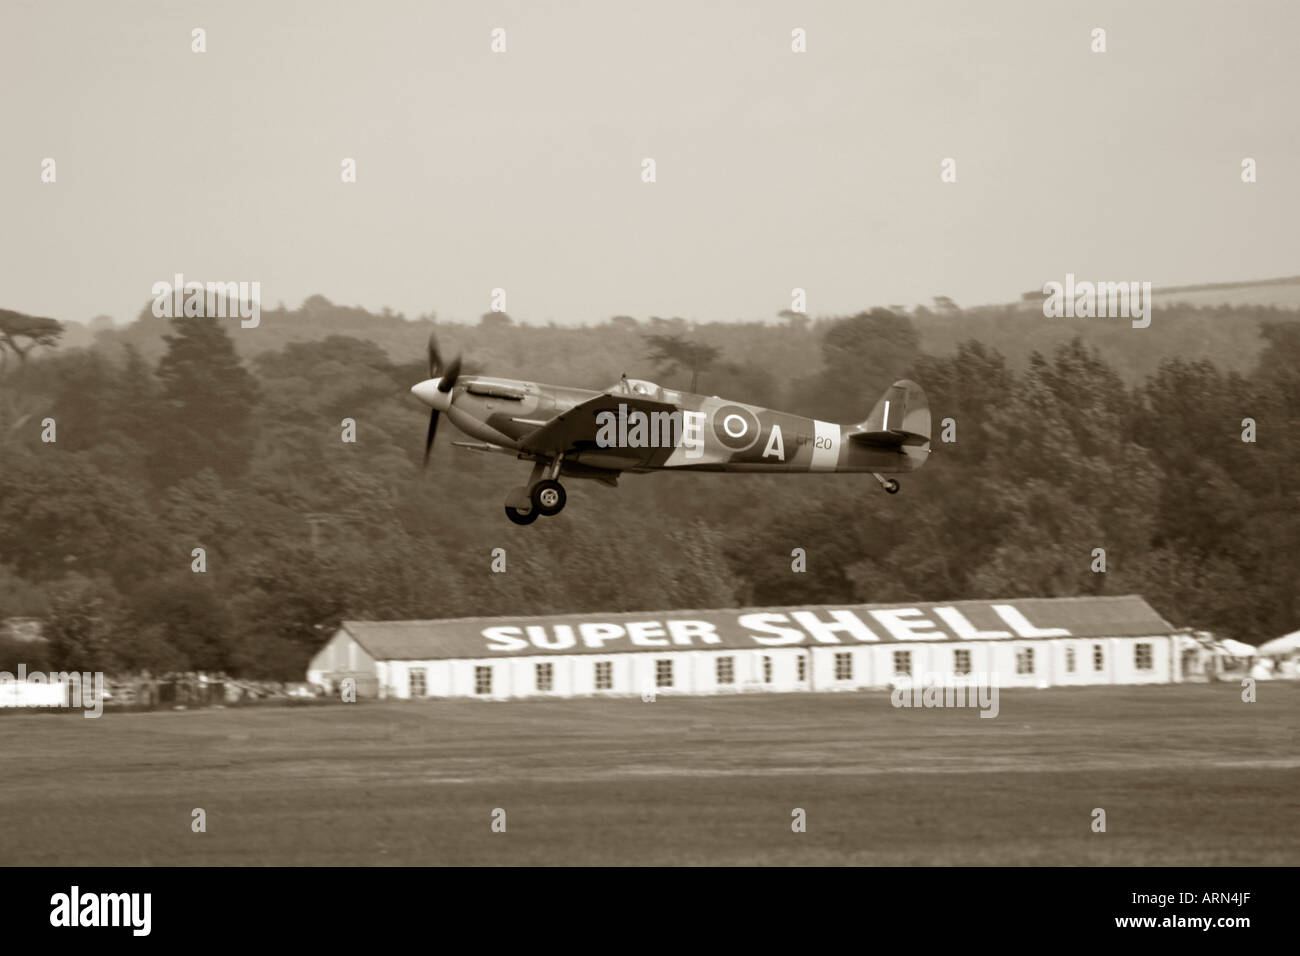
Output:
[[1187, 775]]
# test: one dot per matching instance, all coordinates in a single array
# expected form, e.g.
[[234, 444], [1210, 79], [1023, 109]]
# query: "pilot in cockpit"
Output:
[[635, 386]]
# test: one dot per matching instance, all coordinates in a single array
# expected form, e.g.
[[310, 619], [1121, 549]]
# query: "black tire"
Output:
[[521, 517], [548, 497], [892, 486]]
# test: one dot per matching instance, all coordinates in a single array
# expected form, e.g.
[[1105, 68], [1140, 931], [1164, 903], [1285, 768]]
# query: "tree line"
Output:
[[199, 442]]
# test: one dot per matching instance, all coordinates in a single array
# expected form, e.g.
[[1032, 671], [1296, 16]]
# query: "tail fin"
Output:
[[901, 417]]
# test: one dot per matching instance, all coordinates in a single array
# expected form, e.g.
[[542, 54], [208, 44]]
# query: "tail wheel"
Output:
[[548, 497], [521, 517], [892, 486]]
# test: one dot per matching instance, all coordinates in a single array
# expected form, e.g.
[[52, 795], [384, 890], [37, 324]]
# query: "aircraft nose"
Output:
[[427, 392]]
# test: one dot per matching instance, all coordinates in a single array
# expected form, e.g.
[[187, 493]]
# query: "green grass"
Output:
[[1187, 775]]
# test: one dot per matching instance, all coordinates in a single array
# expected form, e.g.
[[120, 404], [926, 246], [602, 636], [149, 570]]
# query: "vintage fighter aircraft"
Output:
[[636, 426]]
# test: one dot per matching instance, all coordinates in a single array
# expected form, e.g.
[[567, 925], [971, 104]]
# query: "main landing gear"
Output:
[[889, 484], [542, 496], [548, 497]]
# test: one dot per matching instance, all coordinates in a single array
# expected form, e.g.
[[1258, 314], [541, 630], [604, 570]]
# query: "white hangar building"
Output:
[[1036, 642]]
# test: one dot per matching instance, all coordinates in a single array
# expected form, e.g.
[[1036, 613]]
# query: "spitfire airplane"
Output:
[[637, 426]]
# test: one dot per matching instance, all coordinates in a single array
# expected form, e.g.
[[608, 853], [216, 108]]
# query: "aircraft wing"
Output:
[[578, 426]]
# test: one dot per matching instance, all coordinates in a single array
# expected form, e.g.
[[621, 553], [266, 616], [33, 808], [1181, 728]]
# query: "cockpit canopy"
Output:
[[637, 386]]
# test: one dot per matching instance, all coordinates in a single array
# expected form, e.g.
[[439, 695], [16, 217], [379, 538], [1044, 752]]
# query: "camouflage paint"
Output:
[[737, 437]]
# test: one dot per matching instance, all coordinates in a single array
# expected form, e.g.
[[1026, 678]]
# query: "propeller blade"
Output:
[[435, 357], [449, 377], [428, 442]]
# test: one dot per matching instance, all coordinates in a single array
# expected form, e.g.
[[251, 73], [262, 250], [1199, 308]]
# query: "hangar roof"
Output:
[[847, 625]]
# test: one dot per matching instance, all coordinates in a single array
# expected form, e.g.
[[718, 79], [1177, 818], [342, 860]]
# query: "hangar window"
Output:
[[1069, 660], [604, 675], [1024, 660], [664, 673], [1098, 658], [961, 662], [803, 668], [726, 670], [767, 669], [1142, 657], [903, 663], [483, 680], [546, 676], [417, 682], [844, 666]]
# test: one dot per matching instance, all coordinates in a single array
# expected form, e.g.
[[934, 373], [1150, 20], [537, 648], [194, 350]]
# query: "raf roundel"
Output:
[[737, 428]]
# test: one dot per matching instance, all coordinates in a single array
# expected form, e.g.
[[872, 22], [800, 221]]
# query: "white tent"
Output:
[[1286, 644], [1237, 648]]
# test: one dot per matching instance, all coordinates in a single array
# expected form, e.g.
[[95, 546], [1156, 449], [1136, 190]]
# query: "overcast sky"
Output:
[[522, 170]]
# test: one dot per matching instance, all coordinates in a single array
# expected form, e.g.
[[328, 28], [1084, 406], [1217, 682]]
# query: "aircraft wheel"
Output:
[[548, 497], [521, 517], [892, 486]]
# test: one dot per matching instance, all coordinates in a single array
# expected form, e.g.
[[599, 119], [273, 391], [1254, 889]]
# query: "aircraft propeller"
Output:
[[435, 391]]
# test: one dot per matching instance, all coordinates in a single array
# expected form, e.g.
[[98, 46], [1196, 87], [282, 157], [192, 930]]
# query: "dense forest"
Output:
[[172, 435]]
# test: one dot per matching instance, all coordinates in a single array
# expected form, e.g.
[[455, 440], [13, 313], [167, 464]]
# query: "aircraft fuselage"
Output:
[[709, 433]]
